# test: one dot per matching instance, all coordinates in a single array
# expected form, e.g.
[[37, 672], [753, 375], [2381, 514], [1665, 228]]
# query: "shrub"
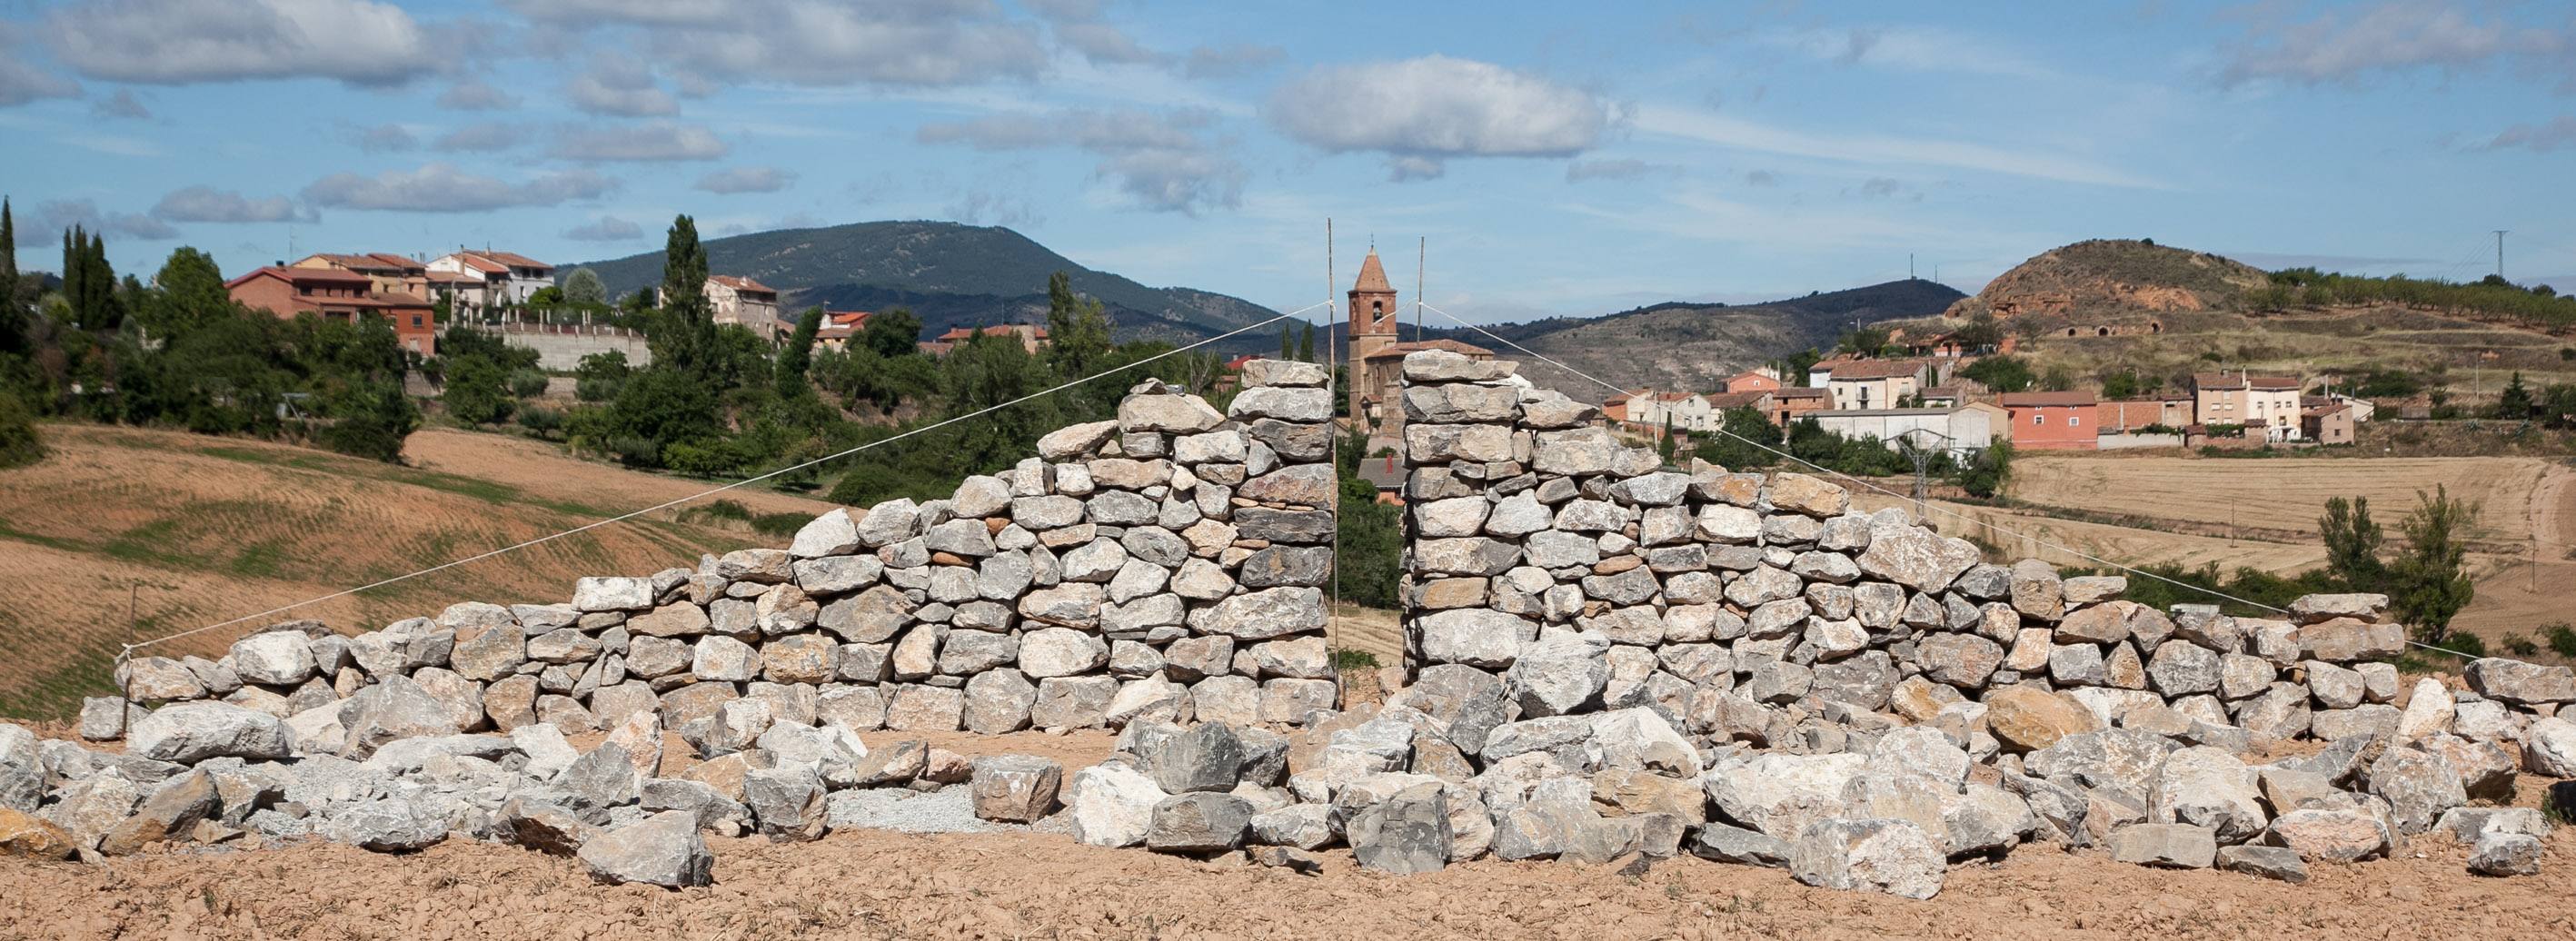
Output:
[[527, 383], [19, 444], [2561, 637], [1354, 660], [542, 422]]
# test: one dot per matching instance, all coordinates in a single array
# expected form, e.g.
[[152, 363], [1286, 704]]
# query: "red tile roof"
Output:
[[516, 260], [1877, 368], [304, 275], [741, 284]]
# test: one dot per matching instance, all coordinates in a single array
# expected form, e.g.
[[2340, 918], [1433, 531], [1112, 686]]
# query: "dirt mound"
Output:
[[2113, 276]]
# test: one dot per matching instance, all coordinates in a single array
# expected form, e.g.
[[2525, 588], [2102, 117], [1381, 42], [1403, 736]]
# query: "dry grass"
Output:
[[191, 530]]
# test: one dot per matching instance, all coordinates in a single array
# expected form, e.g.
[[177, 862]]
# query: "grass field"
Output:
[[184, 530]]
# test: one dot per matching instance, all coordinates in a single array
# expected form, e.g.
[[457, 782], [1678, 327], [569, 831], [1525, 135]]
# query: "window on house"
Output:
[[2036, 420], [2072, 422]]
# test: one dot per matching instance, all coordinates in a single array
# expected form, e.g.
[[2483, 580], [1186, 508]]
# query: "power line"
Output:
[[586, 527]]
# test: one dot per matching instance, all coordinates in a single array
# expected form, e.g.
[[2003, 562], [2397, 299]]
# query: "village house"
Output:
[[486, 280], [390, 273], [2052, 421], [746, 302], [1959, 431], [1871, 383], [1683, 411], [2121, 416], [1765, 401], [1031, 336], [336, 294], [1791, 403], [2362, 409], [2270, 403], [2327, 423], [1764, 379], [1377, 357], [838, 327]]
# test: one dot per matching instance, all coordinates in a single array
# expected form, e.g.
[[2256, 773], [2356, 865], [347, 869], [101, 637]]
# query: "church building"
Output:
[[1377, 356]]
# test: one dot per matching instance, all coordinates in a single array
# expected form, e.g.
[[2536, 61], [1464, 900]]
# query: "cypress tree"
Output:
[[8, 262], [1306, 345], [1285, 351]]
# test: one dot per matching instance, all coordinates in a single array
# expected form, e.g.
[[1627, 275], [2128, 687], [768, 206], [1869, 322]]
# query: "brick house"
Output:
[[2052, 421], [391, 273], [1791, 403], [1874, 383], [335, 294], [746, 302], [2241, 398], [2125, 415], [2329, 423], [1754, 380], [1032, 337]]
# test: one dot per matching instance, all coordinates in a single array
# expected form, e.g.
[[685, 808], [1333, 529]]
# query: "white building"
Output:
[[1961, 431], [1687, 411], [487, 279]]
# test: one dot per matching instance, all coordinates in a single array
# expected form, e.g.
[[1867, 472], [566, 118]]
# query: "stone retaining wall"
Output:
[[1167, 563], [1575, 574]]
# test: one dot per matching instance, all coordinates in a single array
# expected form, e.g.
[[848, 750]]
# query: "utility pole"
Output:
[[1909, 266], [2499, 234], [1421, 255]]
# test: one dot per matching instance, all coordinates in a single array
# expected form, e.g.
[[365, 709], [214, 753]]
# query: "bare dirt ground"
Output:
[[191, 530], [875, 884]]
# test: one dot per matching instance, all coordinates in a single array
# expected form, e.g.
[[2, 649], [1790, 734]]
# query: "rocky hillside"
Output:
[[949, 274], [2107, 277], [1685, 345]]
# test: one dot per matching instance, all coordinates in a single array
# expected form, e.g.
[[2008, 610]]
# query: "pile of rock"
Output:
[[1163, 564]]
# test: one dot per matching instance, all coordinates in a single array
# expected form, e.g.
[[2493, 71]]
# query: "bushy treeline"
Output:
[[179, 353], [1749, 441], [2492, 296]]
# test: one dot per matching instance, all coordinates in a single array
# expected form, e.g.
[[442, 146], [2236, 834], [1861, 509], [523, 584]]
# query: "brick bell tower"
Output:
[[1373, 319]]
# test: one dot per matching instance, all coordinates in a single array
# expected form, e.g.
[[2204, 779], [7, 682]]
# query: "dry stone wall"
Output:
[[1165, 564]]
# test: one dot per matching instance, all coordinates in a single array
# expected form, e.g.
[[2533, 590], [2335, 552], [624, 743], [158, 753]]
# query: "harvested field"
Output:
[[194, 530], [886, 885]]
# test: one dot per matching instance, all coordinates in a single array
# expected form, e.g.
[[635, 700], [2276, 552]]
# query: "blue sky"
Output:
[[1560, 159]]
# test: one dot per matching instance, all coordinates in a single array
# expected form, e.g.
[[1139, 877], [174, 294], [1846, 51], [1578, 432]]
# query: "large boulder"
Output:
[[1111, 805], [1199, 823], [1871, 854], [663, 849], [1404, 834], [2028, 718], [2519, 683], [191, 732]]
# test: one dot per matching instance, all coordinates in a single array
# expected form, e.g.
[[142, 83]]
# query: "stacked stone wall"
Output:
[[1165, 564]]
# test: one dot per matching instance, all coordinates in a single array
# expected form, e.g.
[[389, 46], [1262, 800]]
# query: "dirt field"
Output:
[[872, 884], [195, 530]]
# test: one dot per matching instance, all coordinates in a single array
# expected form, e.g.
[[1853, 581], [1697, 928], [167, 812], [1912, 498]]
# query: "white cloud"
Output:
[[2554, 134], [123, 104], [819, 42], [1437, 107], [181, 41], [620, 86], [1625, 169], [476, 95], [1877, 149], [441, 187], [55, 215], [1912, 49], [1158, 160], [979, 207], [605, 229], [1101, 42], [2392, 36], [208, 204], [1231, 61], [481, 138], [747, 180], [384, 138], [655, 142], [21, 83], [1406, 168]]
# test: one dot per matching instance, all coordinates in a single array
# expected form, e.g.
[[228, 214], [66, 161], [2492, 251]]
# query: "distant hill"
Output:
[[949, 274], [1690, 345], [2102, 277]]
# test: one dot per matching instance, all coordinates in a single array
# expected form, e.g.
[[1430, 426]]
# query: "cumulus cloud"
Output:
[[605, 229], [208, 204], [55, 215], [441, 187], [123, 104], [2392, 36], [620, 87], [384, 138], [2554, 134], [481, 138], [476, 95], [1407, 168], [1231, 61], [1582, 170], [820, 42], [747, 180], [1434, 108], [21, 83], [359, 42], [659, 141], [1158, 160]]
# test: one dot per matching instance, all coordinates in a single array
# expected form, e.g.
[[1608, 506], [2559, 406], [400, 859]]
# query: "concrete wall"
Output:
[[562, 347]]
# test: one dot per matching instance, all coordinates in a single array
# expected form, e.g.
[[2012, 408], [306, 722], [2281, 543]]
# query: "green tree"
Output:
[[1369, 547], [476, 394], [368, 418], [1078, 329], [657, 408], [1287, 342], [684, 339], [8, 266], [597, 377], [1739, 444], [2001, 373], [2514, 403], [2431, 578], [189, 289], [1863, 341], [19, 443], [1665, 446], [1306, 345], [1981, 332], [797, 356], [893, 332], [2352, 545], [1986, 474], [583, 287]]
